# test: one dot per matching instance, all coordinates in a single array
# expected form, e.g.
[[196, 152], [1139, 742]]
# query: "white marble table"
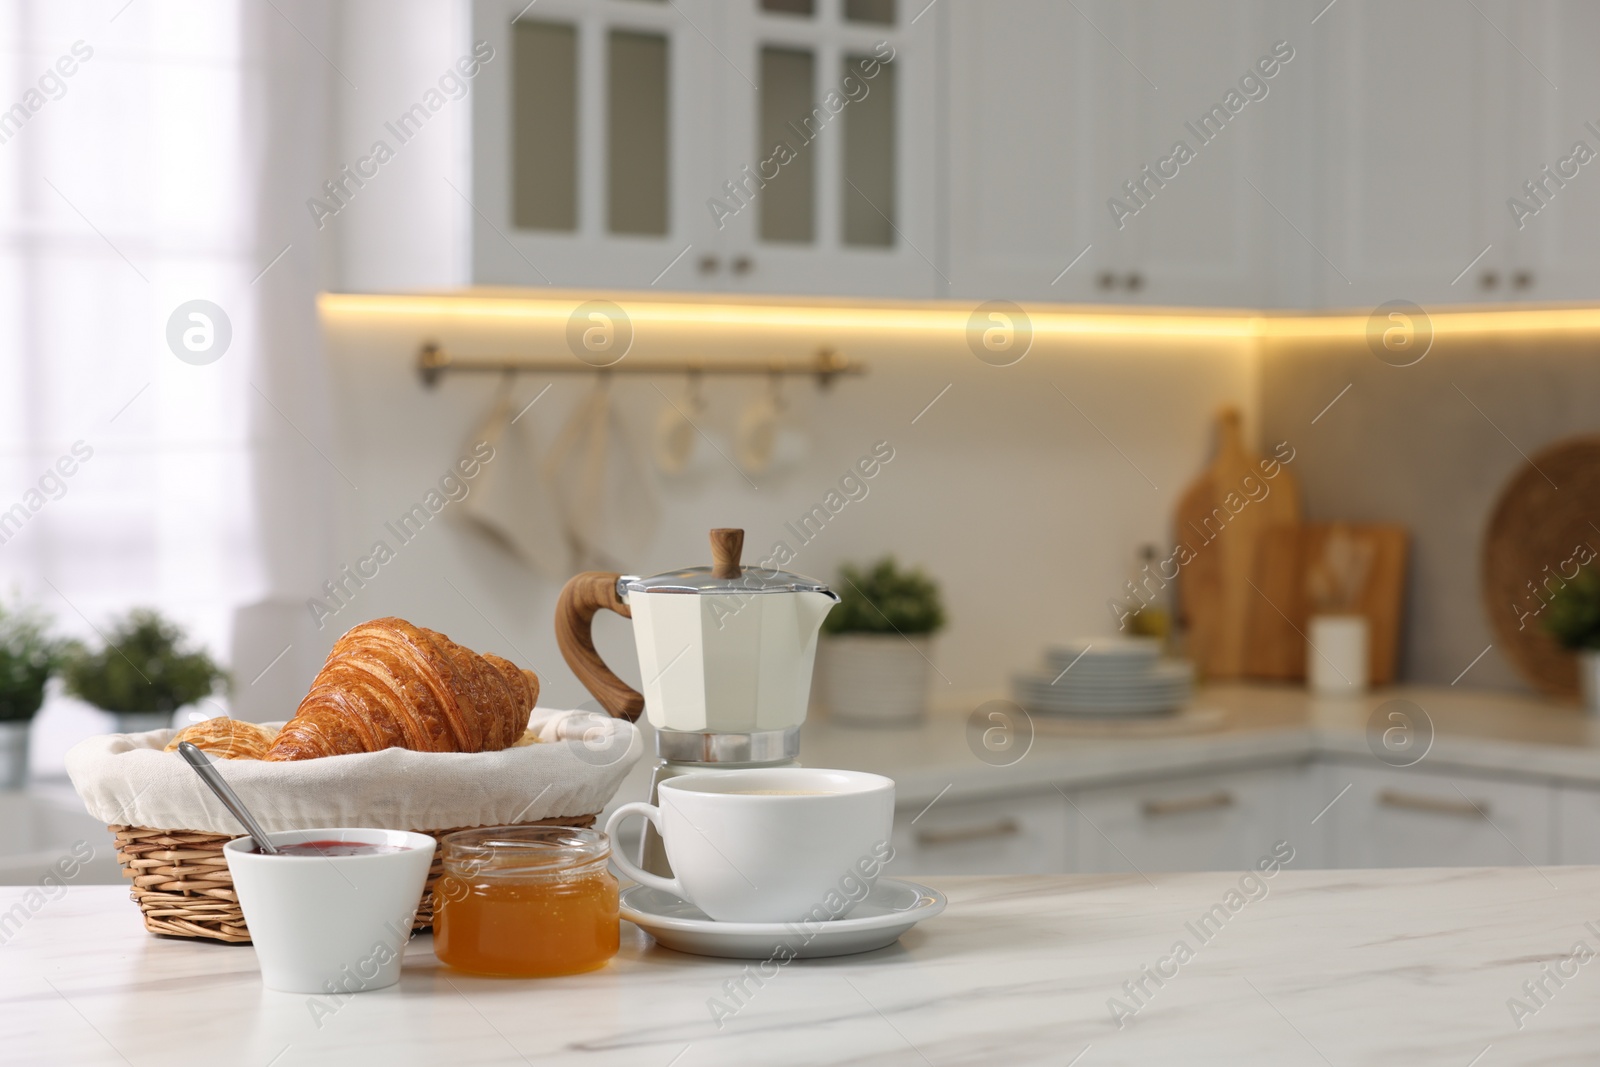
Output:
[[1328, 967]]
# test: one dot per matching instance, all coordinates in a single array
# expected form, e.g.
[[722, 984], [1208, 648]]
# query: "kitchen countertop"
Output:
[[1337, 967], [1498, 733]]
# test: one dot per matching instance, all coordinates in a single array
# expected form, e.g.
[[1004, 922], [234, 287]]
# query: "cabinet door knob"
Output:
[[1106, 280], [1466, 809], [1135, 282], [1155, 809], [1489, 279], [743, 265], [709, 264], [1523, 279], [958, 834]]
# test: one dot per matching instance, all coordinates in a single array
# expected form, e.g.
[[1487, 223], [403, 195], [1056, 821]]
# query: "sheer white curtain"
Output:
[[155, 153]]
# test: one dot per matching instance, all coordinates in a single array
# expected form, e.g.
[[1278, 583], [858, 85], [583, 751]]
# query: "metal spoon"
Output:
[[230, 800]]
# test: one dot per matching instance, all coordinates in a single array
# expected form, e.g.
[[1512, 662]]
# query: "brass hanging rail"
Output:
[[433, 361]]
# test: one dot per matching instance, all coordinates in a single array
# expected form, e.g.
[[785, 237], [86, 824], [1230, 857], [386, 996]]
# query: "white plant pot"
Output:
[[14, 754], [1589, 680], [875, 679]]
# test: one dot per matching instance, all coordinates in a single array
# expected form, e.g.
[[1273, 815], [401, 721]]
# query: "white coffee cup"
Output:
[[767, 846], [330, 924]]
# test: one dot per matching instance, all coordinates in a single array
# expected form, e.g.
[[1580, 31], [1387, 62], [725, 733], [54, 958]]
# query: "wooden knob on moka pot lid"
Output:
[[726, 547]]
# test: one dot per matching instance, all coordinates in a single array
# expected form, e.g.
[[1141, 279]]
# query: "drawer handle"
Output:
[[1155, 809], [1466, 809], [957, 834]]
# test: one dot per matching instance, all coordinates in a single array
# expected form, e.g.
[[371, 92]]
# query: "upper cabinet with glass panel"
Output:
[[813, 147], [582, 124], [754, 145]]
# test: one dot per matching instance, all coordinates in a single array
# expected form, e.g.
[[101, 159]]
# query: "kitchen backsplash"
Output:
[[1024, 489], [1431, 446]]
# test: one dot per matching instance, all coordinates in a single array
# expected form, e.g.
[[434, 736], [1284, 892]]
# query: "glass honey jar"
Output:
[[526, 901]]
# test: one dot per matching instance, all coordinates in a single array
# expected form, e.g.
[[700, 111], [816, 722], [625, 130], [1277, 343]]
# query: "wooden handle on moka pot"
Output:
[[585, 594], [582, 596]]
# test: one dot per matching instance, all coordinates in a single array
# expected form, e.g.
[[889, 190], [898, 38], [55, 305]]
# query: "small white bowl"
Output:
[[330, 924]]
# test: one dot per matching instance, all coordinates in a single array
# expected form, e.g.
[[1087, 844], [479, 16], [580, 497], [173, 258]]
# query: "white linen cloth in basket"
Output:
[[582, 757]]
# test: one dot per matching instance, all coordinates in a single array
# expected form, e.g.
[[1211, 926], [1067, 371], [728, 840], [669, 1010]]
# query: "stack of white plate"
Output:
[[1106, 676]]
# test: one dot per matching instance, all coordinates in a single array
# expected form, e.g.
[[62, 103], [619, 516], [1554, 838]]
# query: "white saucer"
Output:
[[892, 908]]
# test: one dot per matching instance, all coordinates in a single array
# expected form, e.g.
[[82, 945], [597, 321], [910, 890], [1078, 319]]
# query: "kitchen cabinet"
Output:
[[740, 145], [1022, 201], [1421, 818], [589, 142], [838, 101], [1554, 254], [1201, 823], [637, 142], [1335, 812], [1420, 130], [1198, 236], [1377, 166], [1022, 834], [1055, 109]]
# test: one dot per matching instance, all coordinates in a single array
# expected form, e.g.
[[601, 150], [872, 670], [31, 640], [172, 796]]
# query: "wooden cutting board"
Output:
[[1276, 633], [1220, 519]]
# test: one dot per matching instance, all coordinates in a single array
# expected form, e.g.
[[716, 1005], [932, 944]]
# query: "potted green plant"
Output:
[[875, 656], [1572, 617], [29, 655], [143, 673]]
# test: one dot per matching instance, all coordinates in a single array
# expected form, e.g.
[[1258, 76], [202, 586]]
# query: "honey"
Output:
[[526, 902]]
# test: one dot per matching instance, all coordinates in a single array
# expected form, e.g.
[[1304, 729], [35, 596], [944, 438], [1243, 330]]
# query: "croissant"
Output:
[[225, 738], [389, 684]]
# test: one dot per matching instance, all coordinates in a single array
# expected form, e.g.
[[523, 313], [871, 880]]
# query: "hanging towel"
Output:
[[607, 496], [676, 437], [510, 501]]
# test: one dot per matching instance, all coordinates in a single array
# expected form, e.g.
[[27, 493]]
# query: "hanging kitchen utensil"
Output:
[[758, 430], [677, 434], [769, 440]]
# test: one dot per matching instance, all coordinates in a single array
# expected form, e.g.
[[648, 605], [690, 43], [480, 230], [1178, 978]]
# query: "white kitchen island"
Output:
[[1321, 967]]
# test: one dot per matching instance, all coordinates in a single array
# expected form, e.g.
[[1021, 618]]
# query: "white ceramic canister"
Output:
[[1337, 659]]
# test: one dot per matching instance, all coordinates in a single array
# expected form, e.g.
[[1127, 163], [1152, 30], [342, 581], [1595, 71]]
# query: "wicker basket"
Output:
[[182, 884]]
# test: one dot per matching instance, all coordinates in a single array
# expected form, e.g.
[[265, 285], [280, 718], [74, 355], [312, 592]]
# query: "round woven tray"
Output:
[[1550, 507], [182, 885]]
